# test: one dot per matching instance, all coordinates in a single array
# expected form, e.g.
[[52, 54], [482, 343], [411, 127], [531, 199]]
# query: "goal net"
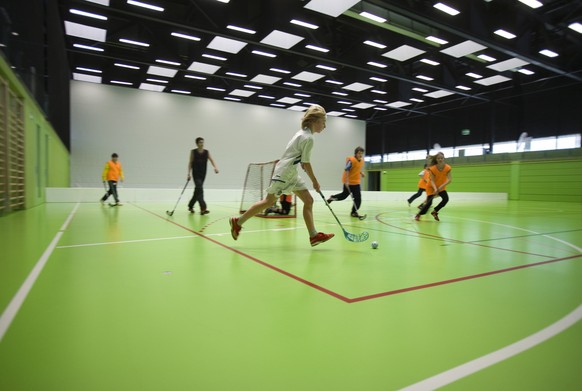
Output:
[[257, 181]]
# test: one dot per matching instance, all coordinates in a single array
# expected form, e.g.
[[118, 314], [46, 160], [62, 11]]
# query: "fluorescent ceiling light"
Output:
[[504, 34], [297, 108], [378, 79], [302, 95], [118, 64], [380, 108], [344, 102], [88, 78], [157, 81], [486, 57], [125, 83], [363, 106], [235, 74], [151, 87], [506, 65], [239, 92], [445, 8], [89, 70], [223, 1], [253, 87], [241, 29], [202, 67], [326, 67], [304, 24], [132, 42], [279, 70], [526, 71], [375, 44], [317, 48], [81, 46], [335, 113], [213, 57], [289, 100], [351, 116], [215, 89], [423, 77], [437, 40], [380, 101], [439, 94], [403, 53], [307, 76], [226, 45], [181, 92], [161, 71], [398, 104], [333, 8], [88, 14], [177, 64], [339, 93], [464, 88], [281, 39], [277, 105], [429, 62], [145, 5], [576, 27], [195, 77], [349, 110], [288, 83], [264, 54], [266, 96], [373, 17], [377, 64], [379, 92], [492, 80], [186, 36], [531, 3], [473, 75], [231, 98], [416, 100], [549, 53], [87, 32], [419, 89], [337, 83], [265, 79], [102, 2], [463, 48], [357, 87]]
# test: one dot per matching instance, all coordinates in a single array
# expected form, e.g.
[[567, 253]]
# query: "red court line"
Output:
[[368, 297], [459, 279]]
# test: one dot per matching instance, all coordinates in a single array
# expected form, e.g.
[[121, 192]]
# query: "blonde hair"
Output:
[[313, 113]]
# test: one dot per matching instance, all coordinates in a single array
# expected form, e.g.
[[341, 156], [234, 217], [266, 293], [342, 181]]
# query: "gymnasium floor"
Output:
[[129, 299]]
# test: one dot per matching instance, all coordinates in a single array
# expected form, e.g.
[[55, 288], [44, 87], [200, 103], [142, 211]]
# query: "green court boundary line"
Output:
[[367, 297]]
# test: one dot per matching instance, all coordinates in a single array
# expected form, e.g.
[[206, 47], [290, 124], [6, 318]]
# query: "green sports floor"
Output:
[[126, 298]]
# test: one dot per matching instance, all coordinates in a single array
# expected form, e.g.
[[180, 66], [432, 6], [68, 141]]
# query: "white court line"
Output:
[[127, 241], [12, 309], [454, 374]]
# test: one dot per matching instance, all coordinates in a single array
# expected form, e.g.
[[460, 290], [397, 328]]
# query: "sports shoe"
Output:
[[320, 237], [355, 214], [191, 210], [234, 227], [417, 217], [435, 214], [204, 212], [330, 200]]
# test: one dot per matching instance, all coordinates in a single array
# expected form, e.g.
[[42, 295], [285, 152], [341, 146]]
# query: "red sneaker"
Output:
[[320, 237], [234, 227], [417, 217], [435, 215]]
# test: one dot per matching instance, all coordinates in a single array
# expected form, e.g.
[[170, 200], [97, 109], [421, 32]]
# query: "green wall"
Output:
[[547, 177], [46, 157]]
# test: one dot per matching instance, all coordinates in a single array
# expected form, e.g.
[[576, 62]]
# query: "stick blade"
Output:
[[169, 213], [356, 238]]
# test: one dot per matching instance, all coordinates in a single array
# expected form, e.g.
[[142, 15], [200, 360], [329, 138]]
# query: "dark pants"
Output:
[[415, 195], [355, 189], [428, 203], [112, 191], [198, 193]]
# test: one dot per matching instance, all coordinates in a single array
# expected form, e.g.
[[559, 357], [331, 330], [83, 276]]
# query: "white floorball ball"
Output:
[[374, 245]]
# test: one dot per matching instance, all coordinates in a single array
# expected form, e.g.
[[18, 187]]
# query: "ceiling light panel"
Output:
[[281, 39], [506, 65], [83, 31], [161, 71], [203, 67], [151, 87], [88, 78], [463, 49], [308, 76], [439, 94], [226, 45], [492, 80], [403, 53], [357, 87], [265, 79], [333, 8], [288, 100], [239, 92]]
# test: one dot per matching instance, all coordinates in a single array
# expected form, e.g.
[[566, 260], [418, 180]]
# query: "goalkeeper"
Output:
[[286, 179]]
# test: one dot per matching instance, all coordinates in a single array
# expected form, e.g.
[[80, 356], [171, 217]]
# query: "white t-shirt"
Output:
[[298, 150]]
